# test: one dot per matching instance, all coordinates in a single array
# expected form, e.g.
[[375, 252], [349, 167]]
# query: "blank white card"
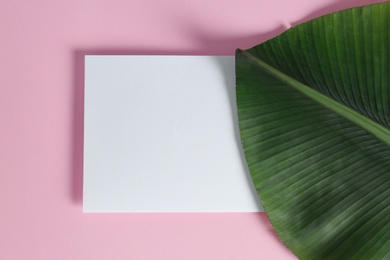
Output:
[[161, 135]]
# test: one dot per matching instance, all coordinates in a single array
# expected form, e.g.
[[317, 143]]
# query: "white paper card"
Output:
[[161, 136]]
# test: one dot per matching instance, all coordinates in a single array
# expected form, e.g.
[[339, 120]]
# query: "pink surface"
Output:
[[42, 44]]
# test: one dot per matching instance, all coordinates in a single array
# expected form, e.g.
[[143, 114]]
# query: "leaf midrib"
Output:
[[366, 123]]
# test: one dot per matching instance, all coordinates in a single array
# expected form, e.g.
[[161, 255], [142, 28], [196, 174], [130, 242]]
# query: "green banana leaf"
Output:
[[314, 115]]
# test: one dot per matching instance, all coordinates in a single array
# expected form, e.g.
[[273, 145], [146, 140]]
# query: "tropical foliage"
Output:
[[314, 116]]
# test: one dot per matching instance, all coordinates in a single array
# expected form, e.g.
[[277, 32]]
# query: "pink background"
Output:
[[42, 44]]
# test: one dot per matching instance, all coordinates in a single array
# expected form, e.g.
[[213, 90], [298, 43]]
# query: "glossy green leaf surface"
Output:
[[314, 115]]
